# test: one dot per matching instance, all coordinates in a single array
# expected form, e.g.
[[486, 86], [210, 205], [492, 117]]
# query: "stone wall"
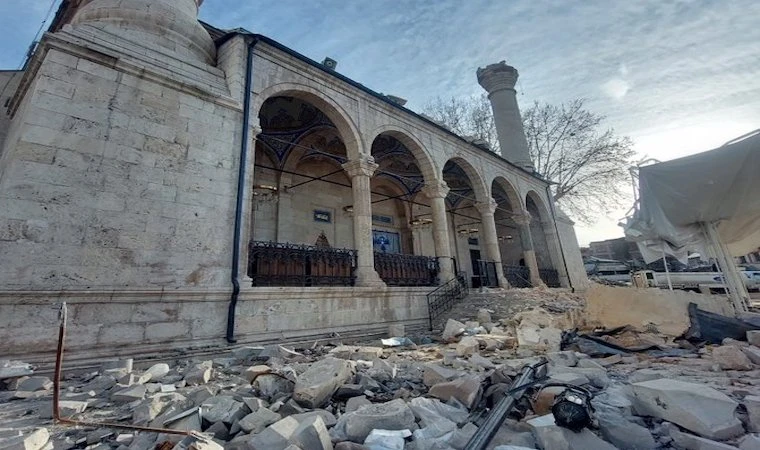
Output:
[[139, 322], [9, 80], [572, 252], [667, 310]]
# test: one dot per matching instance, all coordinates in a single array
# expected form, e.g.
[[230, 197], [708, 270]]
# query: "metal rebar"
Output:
[[57, 419]]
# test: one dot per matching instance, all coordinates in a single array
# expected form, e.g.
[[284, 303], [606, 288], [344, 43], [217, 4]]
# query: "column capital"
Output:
[[497, 77], [487, 207], [438, 189], [365, 165], [522, 219]]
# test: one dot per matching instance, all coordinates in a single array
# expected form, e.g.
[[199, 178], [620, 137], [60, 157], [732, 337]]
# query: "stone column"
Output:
[[361, 170], [246, 228], [529, 254], [499, 81], [437, 193], [491, 244]]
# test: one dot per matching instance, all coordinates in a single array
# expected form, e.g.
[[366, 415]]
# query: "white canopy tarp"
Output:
[[720, 186], [707, 203]]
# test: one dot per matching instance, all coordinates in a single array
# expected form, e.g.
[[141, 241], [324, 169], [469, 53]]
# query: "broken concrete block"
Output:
[[197, 442], [434, 430], [33, 384], [327, 417], [201, 374], [462, 436], [646, 375], [569, 378], [484, 315], [750, 442], [219, 430], [481, 362], [624, 434], [428, 410], [435, 374], [565, 358], [466, 390], [312, 434], [254, 403], [129, 394], [99, 384], [356, 426], [321, 380], [597, 377], [752, 403], [730, 357], [688, 441], [698, 408], [188, 420], [752, 353], [257, 421], [267, 440], [467, 346], [753, 337], [549, 435], [254, 372], [35, 440], [355, 403], [156, 372], [386, 439], [616, 398], [272, 386], [14, 369], [452, 330], [354, 352], [222, 408], [151, 408]]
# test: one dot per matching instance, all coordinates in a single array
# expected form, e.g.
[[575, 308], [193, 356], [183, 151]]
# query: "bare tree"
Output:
[[568, 145]]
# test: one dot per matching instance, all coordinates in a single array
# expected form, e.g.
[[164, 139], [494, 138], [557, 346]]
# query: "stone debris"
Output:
[[425, 396]]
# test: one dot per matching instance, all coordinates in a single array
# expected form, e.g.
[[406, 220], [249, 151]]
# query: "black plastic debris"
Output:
[[713, 328]]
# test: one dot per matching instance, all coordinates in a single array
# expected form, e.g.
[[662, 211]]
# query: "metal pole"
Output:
[[667, 272]]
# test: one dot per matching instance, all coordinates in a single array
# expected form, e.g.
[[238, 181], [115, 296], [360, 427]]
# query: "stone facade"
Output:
[[119, 172]]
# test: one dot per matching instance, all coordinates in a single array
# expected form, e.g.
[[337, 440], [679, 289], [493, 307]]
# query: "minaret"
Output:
[[169, 25], [499, 81]]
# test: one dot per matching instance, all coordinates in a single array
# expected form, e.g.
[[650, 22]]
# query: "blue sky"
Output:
[[678, 77]]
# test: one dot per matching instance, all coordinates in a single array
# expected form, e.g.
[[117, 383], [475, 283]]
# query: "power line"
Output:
[[33, 45]]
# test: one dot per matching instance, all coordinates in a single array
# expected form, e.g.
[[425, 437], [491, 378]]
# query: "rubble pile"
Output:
[[656, 392]]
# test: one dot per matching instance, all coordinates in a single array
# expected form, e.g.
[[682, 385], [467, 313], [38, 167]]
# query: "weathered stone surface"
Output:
[[752, 353], [222, 408], [462, 436], [254, 372], [197, 442], [435, 374], [33, 384], [13, 369], [466, 390], [752, 403], [686, 441], [129, 394], [753, 337], [312, 434], [354, 352], [355, 403], [35, 440], [321, 380], [616, 398], [247, 352], [731, 357], [198, 375], [569, 378], [154, 406], [431, 410], [646, 375], [565, 358], [696, 407], [589, 364], [481, 362], [452, 330], [156, 372], [273, 386], [467, 346], [550, 436], [610, 360], [624, 434], [257, 421], [484, 316], [348, 445], [327, 417], [356, 426], [219, 430], [597, 377], [750, 442]]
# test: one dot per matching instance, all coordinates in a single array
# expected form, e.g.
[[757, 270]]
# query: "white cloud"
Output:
[[616, 88]]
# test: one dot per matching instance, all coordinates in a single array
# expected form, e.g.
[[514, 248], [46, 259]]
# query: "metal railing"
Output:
[[285, 264], [517, 276], [443, 298], [550, 277], [406, 270]]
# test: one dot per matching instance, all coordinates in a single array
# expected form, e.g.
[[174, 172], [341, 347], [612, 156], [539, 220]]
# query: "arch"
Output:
[[541, 208], [476, 181], [347, 129], [414, 145], [509, 189]]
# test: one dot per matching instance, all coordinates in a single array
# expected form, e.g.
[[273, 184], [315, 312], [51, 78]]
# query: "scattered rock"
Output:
[[688, 441], [200, 374], [156, 372], [467, 346], [356, 426], [312, 434], [548, 435], [696, 407], [257, 421], [752, 403], [453, 330], [730, 357], [435, 374], [13, 369], [646, 375], [753, 337], [466, 390], [750, 442], [222, 408], [356, 353], [33, 384], [129, 394], [484, 316], [752, 353], [624, 434], [320, 381], [35, 440]]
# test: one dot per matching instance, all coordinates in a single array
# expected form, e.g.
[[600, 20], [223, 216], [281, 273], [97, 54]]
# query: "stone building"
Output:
[[123, 192]]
